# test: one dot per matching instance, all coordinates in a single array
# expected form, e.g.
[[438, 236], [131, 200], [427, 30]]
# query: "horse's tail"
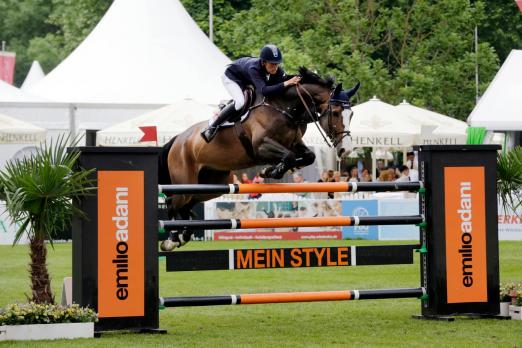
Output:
[[163, 164]]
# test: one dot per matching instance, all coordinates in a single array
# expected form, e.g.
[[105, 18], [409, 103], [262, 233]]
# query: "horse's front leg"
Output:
[[271, 151], [303, 155]]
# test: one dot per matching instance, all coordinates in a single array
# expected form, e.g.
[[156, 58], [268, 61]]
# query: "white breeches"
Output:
[[235, 92]]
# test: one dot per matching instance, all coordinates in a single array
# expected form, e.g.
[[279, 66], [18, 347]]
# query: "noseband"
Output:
[[332, 131]]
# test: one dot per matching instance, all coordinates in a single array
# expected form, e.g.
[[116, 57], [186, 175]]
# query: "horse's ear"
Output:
[[353, 90], [338, 89]]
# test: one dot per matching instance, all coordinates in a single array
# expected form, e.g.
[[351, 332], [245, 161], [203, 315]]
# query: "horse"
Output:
[[270, 135]]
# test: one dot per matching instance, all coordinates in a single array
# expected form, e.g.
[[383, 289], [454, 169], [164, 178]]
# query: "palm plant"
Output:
[[39, 192], [509, 175]]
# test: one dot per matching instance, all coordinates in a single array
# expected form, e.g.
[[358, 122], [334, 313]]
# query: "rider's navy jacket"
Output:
[[249, 71]]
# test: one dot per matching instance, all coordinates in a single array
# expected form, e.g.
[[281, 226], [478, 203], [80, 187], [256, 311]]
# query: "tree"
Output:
[[502, 26], [39, 192], [420, 50], [20, 22]]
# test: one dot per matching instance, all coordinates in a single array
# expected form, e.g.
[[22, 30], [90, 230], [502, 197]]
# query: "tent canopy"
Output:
[[169, 120], [13, 131], [499, 108], [436, 128], [34, 75], [10, 93], [141, 52]]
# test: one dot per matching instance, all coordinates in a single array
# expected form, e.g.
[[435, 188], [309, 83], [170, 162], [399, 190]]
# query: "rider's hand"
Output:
[[293, 81]]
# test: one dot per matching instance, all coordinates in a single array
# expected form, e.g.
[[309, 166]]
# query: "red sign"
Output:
[[519, 3], [323, 235], [7, 65], [150, 133]]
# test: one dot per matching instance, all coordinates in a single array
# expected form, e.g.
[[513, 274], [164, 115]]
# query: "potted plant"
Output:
[[45, 321], [515, 309], [505, 298], [39, 193]]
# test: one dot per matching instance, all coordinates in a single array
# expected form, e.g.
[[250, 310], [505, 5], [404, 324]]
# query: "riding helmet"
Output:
[[271, 54]]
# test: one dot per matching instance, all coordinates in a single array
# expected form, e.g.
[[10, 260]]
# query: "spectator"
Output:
[[298, 179], [337, 176], [235, 180], [354, 174], [385, 176], [392, 173], [330, 176], [365, 175], [380, 167], [245, 179], [324, 176], [405, 171], [257, 180], [410, 158], [414, 174], [330, 179]]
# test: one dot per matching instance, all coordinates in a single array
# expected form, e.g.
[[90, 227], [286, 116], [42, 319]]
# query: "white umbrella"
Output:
[[435, 128], [169, 120], [13, 131], [378, 124]]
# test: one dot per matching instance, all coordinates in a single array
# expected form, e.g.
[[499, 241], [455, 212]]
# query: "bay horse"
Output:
[[272, 135]]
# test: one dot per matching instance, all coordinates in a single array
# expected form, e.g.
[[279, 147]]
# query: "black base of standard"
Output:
[[98, 334]]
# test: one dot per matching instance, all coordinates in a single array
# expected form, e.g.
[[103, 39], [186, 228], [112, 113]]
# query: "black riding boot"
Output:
[[226, 113]]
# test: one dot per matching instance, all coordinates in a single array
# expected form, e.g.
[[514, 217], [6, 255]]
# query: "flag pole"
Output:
[[476, 67]]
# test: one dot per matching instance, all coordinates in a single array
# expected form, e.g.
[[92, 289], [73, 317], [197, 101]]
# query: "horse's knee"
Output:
[[308, 158], [289, 159]]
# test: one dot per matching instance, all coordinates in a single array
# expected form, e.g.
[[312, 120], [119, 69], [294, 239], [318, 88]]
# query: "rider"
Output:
[[264, 73]]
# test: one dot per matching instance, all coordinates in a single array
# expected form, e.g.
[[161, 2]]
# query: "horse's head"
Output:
[[338, 109], [330, 103]]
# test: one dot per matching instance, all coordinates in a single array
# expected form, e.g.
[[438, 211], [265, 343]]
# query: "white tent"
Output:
[[500, 107], [378, 124], [10, 93], [34, 75], [141, 52], [436, 128], [13, 131], [169, 120]]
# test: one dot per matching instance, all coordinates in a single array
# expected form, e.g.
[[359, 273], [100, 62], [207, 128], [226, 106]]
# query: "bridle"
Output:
[[314, 116], [332, 131]]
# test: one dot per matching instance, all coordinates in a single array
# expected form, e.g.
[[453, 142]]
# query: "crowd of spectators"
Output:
[[354, 173]]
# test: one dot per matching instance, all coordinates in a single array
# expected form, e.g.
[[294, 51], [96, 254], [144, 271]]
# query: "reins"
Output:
[[313, 119]]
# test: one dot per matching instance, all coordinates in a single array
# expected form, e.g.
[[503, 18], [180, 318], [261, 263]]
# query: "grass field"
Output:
[[358, 323]]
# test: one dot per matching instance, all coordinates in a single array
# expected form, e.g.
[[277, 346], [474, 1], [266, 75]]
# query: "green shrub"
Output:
[[33, 313]]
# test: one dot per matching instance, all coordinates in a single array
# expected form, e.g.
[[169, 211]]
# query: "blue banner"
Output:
[[360, 208]]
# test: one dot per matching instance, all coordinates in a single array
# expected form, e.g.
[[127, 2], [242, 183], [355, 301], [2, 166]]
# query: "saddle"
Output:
[[241, 115]]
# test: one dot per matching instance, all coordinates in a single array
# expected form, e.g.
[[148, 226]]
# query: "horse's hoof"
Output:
[[265, 172], [167, 245]]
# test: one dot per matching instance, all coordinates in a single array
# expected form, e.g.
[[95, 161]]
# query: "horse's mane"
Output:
[[310, 77]]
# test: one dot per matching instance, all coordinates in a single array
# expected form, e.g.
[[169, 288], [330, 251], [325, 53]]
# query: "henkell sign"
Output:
[[379, 141]]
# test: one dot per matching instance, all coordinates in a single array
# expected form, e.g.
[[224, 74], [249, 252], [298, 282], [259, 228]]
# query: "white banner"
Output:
[[509, 224]]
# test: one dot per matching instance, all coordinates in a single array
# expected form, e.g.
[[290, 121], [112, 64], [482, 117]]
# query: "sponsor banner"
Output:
[[360, 208], [7, 66], [509, 223], [398, 207], [121, 254], [260, 235], [254, 209], [291, 257], [465, 210]]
